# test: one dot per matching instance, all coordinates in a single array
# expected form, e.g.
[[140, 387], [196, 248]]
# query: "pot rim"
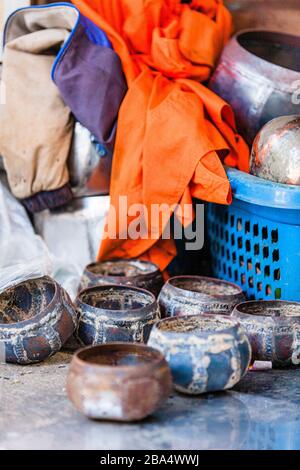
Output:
[[43, 314], [233, 325], [284, 75], [267, 303], [156, 271], [200, 295], [120, 314], [157, 358]]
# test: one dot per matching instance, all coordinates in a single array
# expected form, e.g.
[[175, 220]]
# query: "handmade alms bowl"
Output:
[[136, 273], [273, 329], [115, 313], [37, 318], [194, 295], [206, 353], [119, 382]]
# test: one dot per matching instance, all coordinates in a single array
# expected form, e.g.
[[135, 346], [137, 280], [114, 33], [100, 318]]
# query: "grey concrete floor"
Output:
[[262, 412]]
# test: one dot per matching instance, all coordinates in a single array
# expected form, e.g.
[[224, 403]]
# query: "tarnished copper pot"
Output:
[[259, 76], [276, 151], [136, 273], [120, 382], [194, 295]]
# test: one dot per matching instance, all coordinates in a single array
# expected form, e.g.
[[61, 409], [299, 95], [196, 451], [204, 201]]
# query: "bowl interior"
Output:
[[196, 324], [122, 268], [116, 298], [25, 301], [205, 286], [270, 309], [119, 355], [276, 48]]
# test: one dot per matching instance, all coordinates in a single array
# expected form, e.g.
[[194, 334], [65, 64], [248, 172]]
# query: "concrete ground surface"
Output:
[[262, 412]]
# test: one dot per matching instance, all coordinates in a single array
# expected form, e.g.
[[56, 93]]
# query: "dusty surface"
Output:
[[263, 412]]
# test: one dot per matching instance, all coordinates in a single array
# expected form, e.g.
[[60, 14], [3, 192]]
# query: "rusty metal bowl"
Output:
[[136, 273], [37, 318], [115, 313], [194, 295], [119, 382], [273, 329], [276, 151], [259, 76]]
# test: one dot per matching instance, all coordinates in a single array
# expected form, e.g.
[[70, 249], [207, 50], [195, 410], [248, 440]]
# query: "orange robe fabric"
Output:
[[173, 132]]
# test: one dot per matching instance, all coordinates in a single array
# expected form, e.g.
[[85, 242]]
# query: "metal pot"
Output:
[[119, 382], [195, 295], [273, 329], [276, 151], [136, 273], [206, 353], [115, 313], [259, 76], [37, 318]]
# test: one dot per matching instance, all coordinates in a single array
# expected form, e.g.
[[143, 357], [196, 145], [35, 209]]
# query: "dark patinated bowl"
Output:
[[273, 329], [115, 313], [258, 75], [206, 353], [193, 295], [119, 381], [36, 319], [136, 273]]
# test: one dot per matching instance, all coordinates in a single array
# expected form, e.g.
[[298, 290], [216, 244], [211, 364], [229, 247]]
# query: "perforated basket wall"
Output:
[[257, 246]]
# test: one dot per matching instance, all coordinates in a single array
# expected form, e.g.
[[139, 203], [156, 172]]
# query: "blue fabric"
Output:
[[95, 34]]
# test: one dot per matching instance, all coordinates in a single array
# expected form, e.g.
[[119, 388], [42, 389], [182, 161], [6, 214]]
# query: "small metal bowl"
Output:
[[136, 273], [194, 295], [273, 329], [115, 313], [206, 353], [119, 381], [37, 318]]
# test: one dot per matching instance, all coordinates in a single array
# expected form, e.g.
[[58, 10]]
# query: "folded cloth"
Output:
[[173, 133], [36, 126], [90, 78], [40, 43]]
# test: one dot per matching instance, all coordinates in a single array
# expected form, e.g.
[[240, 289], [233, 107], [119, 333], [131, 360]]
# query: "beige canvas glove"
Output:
[[36, 127]]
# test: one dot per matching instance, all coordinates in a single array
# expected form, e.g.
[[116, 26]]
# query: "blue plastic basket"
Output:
[[255, 242]]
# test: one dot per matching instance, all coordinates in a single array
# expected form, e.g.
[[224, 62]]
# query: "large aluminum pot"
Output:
[[259, 76]]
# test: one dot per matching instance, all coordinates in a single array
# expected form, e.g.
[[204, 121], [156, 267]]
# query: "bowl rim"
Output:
[[120, 314], [200, 295], [157, 358], [155, 271], [35, 320], [267, 303], [233, 325]]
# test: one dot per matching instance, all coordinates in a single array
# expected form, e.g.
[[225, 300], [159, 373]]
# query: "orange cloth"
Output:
[[173, 132]]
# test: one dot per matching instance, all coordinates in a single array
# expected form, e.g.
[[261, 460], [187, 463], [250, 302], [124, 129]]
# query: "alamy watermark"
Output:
[[154, 222]]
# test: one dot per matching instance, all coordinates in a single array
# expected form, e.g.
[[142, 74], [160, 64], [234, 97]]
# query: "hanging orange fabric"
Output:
[[173, 132]]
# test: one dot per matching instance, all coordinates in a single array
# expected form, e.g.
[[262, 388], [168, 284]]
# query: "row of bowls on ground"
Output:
[[201, 334]]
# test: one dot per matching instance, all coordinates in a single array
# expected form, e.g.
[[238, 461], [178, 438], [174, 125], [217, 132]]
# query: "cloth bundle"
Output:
[[173, 133], [37, 119]]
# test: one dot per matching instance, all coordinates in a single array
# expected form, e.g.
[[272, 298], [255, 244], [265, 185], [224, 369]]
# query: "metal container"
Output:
[[273, 15], [115, 313], [37, 318], [194, 295], [206, 353], [142, 274], [119, 382], [259, 75], [273, 329], [89, 164], [276, 151]]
